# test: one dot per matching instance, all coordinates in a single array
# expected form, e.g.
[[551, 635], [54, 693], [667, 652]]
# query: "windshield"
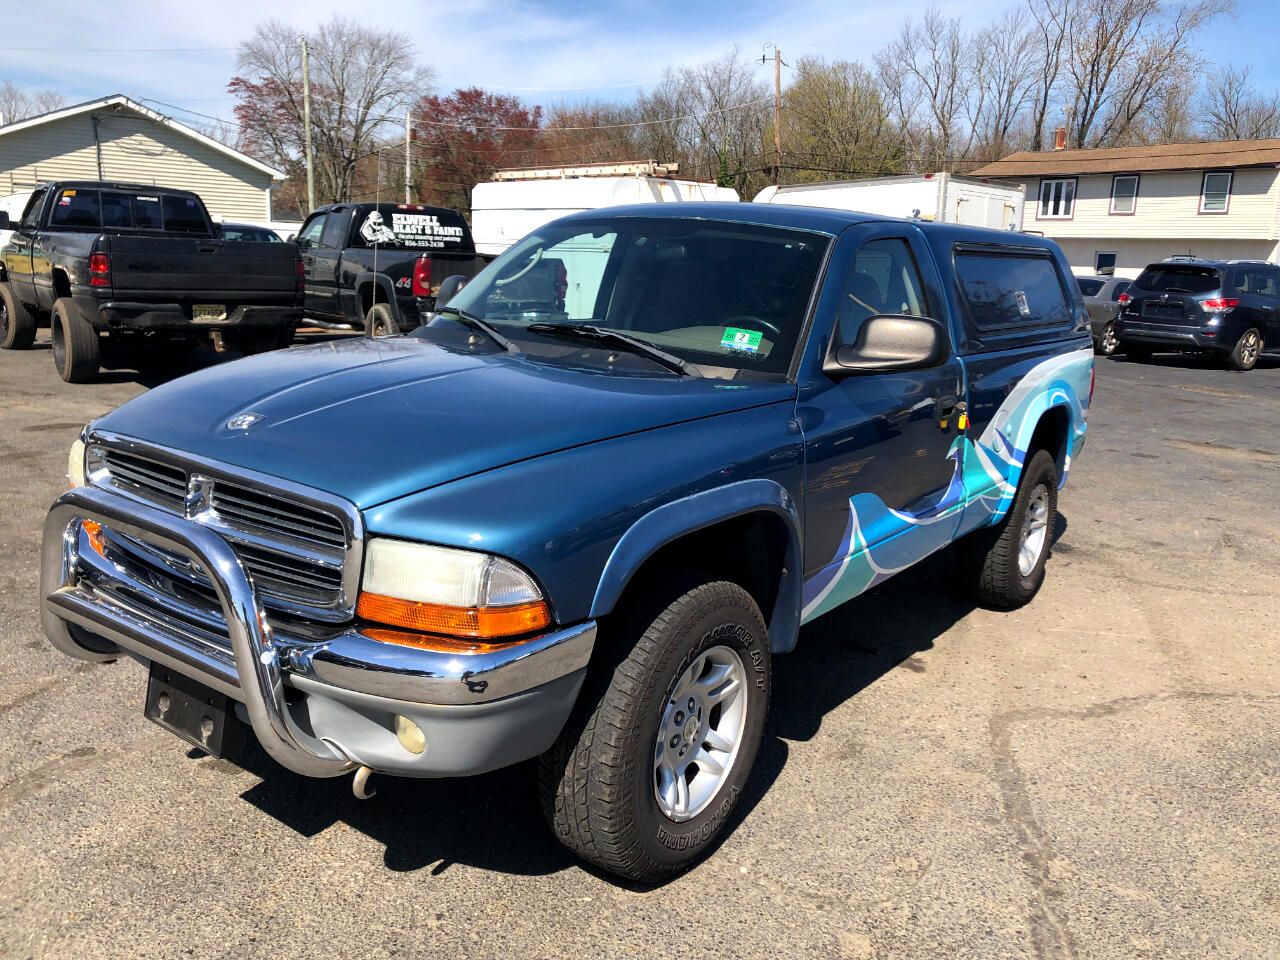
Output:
[[727, 297], [1163, 278]]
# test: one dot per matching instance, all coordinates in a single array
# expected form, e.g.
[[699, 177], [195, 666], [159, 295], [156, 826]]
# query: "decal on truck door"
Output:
[[879, 542]]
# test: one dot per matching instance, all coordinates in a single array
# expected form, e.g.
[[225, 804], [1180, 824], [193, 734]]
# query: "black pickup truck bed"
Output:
[[138, 267]]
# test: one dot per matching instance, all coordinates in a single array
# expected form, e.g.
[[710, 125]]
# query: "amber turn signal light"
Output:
[[474, 622]]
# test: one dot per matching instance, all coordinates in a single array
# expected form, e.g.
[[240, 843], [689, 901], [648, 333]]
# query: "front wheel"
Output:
[[646, 774], [17, 325], [1005, 563], [1247, 350]]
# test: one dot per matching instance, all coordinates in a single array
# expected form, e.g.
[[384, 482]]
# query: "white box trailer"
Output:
[[941, 197], [517, 202]]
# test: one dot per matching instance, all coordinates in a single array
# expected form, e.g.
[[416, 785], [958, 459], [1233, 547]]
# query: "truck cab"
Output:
[[579, 526]]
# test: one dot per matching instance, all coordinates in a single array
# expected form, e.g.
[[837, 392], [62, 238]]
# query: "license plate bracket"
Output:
[[198, 714], [208, 312]]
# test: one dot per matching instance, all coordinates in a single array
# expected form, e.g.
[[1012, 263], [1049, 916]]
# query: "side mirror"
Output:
[[291, 238], [449, 288], [891, 342], [4, 220]]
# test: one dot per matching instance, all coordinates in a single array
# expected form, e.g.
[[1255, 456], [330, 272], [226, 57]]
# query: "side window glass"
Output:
[[310, 235], [31, 216], [331, 237], [883, 279], [1007, 290], [183, 215], [1269, 282], [77, 209]]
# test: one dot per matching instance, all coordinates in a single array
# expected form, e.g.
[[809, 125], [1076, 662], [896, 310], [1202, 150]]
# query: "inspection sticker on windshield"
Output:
[[736, 338]]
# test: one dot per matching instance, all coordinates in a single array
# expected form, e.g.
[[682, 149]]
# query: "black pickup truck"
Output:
[[117, 266], [378, 266]]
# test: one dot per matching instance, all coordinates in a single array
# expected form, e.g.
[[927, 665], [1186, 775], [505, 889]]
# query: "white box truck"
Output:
[[941, 197], [517, 202]]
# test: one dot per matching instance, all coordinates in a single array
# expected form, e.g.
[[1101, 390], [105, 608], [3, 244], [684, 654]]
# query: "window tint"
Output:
[[146, 212], [31, 215], [183, 215], [1003, 290], [1177, 278], [335, 226], [1089, 287], [1121, 287], [1258, 280], [883, 279], [115, 209], [77, 208], [310, 233]]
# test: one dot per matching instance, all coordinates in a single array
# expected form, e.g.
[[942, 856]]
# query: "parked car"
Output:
[[580, 534], [378, 266], [1102, 300], [143, 269], [1226, 308], [247, 232]]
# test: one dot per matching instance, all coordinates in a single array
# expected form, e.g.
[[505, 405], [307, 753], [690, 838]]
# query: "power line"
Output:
[[121, 49]]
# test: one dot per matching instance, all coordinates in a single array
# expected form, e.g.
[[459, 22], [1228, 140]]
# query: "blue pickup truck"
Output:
[[575, 515]]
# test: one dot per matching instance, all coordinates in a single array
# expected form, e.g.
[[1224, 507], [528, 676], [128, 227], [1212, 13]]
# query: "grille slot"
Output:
[[157, 481], [295, 550]]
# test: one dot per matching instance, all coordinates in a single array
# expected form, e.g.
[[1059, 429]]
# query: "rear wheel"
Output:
[[1108, 342], [645, 775], [75, 343], [380, 321], [17, 325], [1005, 563], [1247, 350]]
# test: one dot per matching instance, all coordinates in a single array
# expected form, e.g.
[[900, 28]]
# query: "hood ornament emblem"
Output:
[[244, 421]]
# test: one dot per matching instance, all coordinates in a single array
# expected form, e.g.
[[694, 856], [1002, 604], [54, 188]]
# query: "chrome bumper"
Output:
[[375, 678]]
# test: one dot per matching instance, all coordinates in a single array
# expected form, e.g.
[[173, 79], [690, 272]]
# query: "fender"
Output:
[[386, 287], [667, 523]]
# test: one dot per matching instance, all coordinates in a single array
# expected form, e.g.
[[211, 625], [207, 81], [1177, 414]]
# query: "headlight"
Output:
[[75, 464], [459, 593]]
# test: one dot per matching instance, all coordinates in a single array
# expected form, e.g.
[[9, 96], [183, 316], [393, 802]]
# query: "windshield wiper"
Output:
[[471, 320], [589, 331]]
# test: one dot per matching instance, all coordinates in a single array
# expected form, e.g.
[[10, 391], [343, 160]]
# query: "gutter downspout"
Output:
[[97, 144]]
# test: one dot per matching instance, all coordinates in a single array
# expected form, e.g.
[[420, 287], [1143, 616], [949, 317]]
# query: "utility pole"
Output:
[[306, 126], [777, 115], [408, 135]]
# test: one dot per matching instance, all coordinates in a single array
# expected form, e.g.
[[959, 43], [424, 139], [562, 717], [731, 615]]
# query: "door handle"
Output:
[[207, 248]]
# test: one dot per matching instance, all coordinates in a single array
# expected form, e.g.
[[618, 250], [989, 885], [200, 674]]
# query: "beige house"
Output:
[[1124, 207], [116, 138]]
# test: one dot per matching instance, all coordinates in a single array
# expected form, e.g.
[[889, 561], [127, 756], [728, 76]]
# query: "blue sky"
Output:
[[545, 52]]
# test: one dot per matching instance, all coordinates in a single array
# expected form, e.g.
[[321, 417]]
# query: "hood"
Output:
[[373, 420]]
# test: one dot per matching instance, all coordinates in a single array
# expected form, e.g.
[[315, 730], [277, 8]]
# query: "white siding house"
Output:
[[1125, 207], [117, 139]]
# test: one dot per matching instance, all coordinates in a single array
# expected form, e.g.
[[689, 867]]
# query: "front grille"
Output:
[[296, 551]]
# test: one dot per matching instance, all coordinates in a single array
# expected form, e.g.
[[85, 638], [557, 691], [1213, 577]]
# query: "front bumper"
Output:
[[478, 712]]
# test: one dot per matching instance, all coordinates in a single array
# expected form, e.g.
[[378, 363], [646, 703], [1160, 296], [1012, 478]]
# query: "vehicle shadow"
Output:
[[1195, 361], [493, 822]]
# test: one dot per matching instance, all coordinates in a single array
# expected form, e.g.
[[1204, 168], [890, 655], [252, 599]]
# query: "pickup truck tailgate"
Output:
[[203, 270]]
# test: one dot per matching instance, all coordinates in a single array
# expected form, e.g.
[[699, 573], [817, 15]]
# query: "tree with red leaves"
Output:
[[462, 138]]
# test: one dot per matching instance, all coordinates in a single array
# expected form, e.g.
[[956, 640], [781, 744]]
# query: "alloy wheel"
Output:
[[1035, 530], [1108, 341]]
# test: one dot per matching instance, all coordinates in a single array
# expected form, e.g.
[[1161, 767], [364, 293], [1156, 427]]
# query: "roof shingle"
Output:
[[1213, 154]]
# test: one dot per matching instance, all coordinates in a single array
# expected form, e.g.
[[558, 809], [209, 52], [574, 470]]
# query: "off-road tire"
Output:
[[1245, 354], [380, 321], [17, 325], [76, 349], [989, 556], [597, 780]]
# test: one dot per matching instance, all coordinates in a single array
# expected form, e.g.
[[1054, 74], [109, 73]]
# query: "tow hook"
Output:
[[360, 784]]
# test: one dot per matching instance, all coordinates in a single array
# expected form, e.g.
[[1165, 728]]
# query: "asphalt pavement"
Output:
[[1096, 775]]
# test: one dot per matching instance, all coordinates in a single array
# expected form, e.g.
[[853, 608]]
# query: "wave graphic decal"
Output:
[[879, 542]]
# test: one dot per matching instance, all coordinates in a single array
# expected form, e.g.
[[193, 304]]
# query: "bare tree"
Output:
[[362, 80], [1052, 24], [18, 104], [836, 122], [1124, 55], [1009, 70], [1234, 110]]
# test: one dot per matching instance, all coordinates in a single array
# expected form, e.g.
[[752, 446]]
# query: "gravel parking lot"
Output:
[[1096, 775]]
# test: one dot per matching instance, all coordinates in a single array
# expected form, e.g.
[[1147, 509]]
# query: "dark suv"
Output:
[[1225, 307]]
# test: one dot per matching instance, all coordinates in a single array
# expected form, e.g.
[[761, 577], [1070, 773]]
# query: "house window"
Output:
[[1124, 193], [1215, 192], [1104, 263], [1057, 199]]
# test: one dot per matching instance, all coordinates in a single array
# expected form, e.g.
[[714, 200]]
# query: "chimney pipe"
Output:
[[1060, 138]]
